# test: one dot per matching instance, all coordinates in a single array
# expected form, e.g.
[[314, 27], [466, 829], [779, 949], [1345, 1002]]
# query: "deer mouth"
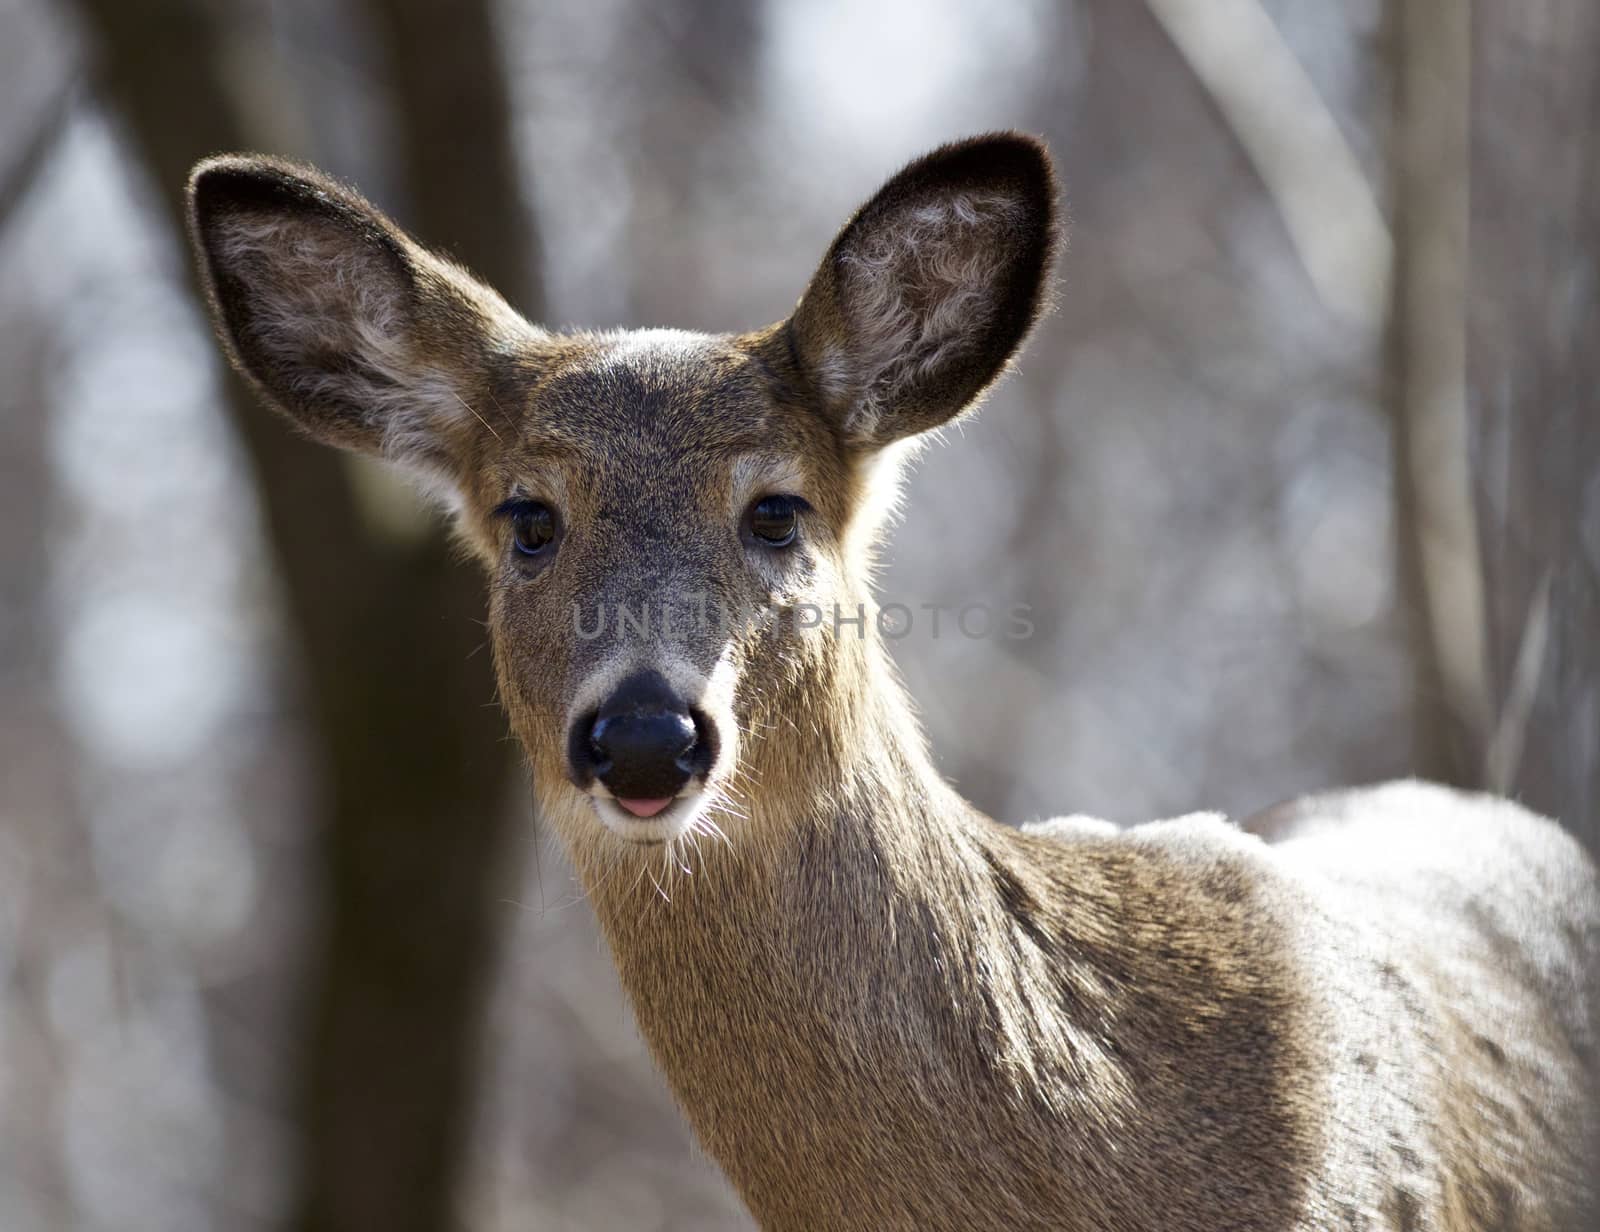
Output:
[[645, 809], [647, 822]]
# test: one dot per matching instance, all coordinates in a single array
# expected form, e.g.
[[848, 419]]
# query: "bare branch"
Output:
[[1289, 135], [1433, 471]]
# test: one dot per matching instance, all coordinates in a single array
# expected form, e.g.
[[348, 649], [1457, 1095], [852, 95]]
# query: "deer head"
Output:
[[656, 511]]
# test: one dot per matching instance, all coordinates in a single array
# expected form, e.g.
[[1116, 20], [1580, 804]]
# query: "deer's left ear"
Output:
[[929, 289]]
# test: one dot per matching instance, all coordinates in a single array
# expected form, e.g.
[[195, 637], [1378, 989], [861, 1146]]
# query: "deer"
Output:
[[877, 1007]]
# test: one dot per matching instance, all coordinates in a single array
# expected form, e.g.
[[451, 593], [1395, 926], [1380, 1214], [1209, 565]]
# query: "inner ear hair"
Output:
[[349, 327], [930, 289]]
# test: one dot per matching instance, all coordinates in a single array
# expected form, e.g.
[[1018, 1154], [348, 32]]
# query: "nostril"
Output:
[[701, 753], [598, 759], [684, 738], [585, 760]]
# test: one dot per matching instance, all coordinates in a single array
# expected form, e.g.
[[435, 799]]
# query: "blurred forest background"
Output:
[[1302, 482]]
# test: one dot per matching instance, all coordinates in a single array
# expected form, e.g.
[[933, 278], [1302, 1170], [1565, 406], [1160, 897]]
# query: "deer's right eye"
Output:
[[773, 520]]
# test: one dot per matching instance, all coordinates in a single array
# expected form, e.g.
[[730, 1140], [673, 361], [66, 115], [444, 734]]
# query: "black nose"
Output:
[[643, 743]]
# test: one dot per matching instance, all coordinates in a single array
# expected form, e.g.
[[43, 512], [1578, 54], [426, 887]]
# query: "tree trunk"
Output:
[[410, 832], [450, 96]]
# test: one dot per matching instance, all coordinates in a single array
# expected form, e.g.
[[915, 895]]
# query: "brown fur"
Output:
[[878, 1008]]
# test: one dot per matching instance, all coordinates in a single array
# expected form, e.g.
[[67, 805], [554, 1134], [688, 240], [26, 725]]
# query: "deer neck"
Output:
[[876, 1002]]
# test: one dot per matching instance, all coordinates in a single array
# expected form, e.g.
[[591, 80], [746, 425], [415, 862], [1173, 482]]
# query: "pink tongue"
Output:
[[645, 808]]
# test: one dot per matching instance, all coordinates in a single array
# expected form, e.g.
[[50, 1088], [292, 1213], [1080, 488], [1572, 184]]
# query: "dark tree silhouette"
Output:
[[399, 696]]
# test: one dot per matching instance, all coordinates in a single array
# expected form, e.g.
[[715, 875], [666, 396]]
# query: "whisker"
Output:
[[475, 414], [714, 830], [510, 423]]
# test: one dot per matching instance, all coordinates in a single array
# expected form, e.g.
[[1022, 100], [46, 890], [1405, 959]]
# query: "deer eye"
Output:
[[533, 525], [773, 520]]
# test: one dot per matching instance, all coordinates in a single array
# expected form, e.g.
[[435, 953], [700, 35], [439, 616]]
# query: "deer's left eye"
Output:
[[533, 525], [774, 520]]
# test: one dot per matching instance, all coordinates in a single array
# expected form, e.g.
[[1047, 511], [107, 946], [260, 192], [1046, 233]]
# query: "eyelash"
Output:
[[515, 505]]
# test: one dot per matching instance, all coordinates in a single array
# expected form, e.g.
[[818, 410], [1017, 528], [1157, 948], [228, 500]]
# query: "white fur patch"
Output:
[[651, 349], [756, 475]]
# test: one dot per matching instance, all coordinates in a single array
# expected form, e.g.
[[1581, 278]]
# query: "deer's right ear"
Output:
[[930, 289], [354, 331]]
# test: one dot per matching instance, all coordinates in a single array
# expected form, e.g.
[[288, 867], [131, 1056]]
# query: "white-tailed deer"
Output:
[[879, 1008]]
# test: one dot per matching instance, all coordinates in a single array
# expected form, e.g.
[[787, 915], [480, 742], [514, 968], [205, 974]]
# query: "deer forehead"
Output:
[[682, 412], [611, 393]]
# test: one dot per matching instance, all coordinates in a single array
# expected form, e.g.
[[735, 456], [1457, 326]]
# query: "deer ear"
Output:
[[930, 288], [350, 328]]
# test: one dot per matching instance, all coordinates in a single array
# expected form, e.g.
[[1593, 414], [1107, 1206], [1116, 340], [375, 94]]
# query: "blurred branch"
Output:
[[1504, 756], [1535, 384], [690, 80], [410, 833], [1437, 524], [1289, 135], [41, 142]]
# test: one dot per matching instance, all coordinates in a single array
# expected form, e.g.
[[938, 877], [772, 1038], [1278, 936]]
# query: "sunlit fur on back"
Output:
[[878, 1008]]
